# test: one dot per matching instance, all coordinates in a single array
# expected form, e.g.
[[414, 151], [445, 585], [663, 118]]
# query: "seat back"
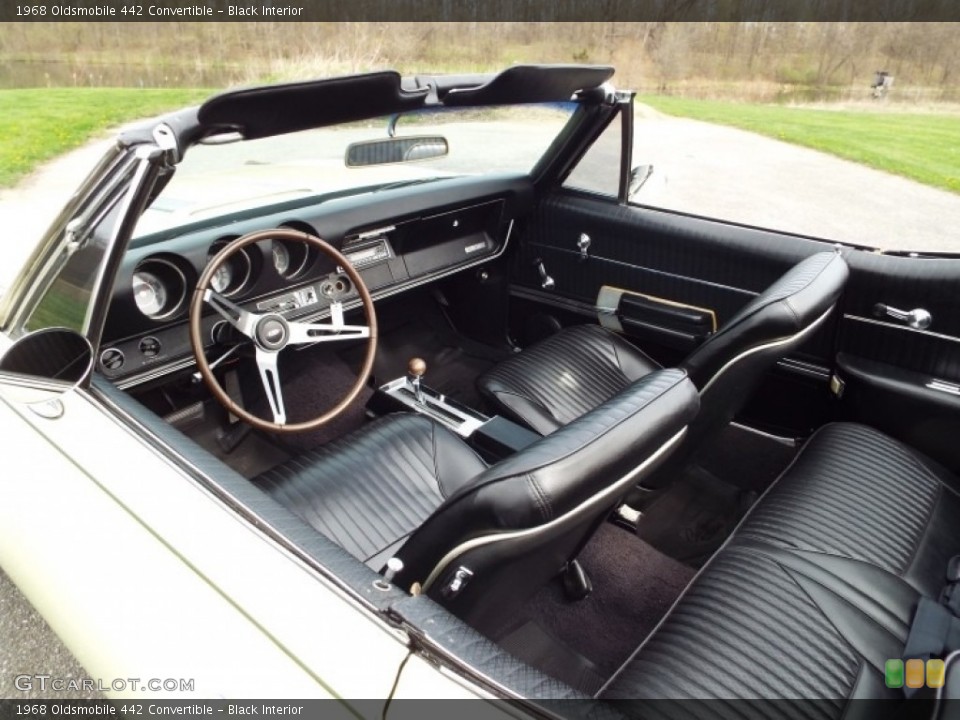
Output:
[[510, 529], [728, 367]]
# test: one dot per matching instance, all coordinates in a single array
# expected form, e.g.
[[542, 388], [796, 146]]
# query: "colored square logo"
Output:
[[936, 672], [914, 673], [893, 673]]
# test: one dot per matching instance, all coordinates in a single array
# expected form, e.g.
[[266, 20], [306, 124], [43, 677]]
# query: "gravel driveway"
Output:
[[722, 172], [699, 168]]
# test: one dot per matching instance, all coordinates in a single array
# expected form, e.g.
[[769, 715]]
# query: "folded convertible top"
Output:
[[276, 109]]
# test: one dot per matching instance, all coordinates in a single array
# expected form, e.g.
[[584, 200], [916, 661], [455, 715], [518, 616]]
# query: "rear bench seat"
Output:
[[817, 587]]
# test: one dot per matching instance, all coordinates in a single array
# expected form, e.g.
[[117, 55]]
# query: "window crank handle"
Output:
[[918, 318]]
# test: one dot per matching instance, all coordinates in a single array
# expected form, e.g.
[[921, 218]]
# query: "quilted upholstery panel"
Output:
[[906, 282], [682, 247], [852, 492], [744, 630], [568, 374], [361, 505]]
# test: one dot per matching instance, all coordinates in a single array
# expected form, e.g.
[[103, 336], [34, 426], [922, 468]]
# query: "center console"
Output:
[[494, 438]]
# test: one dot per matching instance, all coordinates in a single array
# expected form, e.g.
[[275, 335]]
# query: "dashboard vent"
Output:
[[111, 359]]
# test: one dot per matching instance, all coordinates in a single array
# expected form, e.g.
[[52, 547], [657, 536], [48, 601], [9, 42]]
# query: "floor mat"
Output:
[[695, 513], [252, 456], [693, 516], [633, 587], [536, 646]]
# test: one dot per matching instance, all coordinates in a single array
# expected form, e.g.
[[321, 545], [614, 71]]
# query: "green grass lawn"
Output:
[[922, 147], [39, 124]]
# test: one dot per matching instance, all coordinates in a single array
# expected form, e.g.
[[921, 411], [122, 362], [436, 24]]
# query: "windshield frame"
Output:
[[489, 140]]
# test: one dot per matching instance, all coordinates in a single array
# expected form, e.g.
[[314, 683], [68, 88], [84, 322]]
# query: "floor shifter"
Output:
[[410, 393], [415, 371]]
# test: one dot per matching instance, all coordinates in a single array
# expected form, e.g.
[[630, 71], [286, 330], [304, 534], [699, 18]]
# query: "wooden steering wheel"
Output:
[[271, 333]]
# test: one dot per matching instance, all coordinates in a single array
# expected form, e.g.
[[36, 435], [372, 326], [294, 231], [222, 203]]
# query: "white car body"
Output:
[[139, 594]]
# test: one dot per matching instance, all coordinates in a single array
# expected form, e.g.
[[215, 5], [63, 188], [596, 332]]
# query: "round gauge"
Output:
[[222, 278], [149, 293], [234, 275], [159, 287], [281, 258], [292, 259]]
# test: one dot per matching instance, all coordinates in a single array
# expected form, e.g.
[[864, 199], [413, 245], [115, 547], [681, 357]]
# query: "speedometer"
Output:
[[149, 293], [291, 259], [281, 258]]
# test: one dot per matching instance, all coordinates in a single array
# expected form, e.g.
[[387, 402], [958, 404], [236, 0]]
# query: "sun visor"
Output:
[[277, 109], [527, 84]]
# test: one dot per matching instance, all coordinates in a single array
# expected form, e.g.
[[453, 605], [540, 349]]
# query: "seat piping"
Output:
[[513, 534]]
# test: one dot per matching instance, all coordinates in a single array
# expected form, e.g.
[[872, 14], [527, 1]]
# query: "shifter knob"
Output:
[[417, 367], [415, 370]]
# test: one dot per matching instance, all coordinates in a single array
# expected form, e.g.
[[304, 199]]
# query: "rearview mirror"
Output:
[[396, 150]]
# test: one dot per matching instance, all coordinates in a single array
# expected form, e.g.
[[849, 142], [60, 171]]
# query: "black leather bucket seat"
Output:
[[481, 539], [552, 383]]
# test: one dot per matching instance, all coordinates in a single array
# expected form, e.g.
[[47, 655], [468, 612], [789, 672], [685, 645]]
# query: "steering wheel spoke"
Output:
[[270, 377], [302, 333], [242, 320]]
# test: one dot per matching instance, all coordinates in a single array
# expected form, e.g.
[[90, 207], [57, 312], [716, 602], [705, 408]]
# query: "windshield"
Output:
[[215, 180]]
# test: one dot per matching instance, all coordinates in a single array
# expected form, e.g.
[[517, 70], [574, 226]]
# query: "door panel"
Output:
[[902, 380], [932, 284], [682, 259], [707, 265], [720, 266]]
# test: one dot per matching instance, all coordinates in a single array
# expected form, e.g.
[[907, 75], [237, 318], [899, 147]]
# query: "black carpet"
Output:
[[633, 587], [313, 380], [746, 459], [536, 646]]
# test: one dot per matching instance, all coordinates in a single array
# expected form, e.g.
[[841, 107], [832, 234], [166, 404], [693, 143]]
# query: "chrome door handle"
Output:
[[918, 318], [546, 282], [583, 244]]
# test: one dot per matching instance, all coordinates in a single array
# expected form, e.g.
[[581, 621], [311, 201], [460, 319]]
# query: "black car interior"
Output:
[[534, 387], [793, 439]]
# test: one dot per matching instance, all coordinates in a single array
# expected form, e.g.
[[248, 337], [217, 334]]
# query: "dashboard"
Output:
[[397, 239]]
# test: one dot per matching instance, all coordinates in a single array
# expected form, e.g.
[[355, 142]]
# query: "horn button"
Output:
[[272, 332]]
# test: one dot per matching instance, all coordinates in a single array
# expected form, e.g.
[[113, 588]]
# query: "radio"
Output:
[[369, 253]]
